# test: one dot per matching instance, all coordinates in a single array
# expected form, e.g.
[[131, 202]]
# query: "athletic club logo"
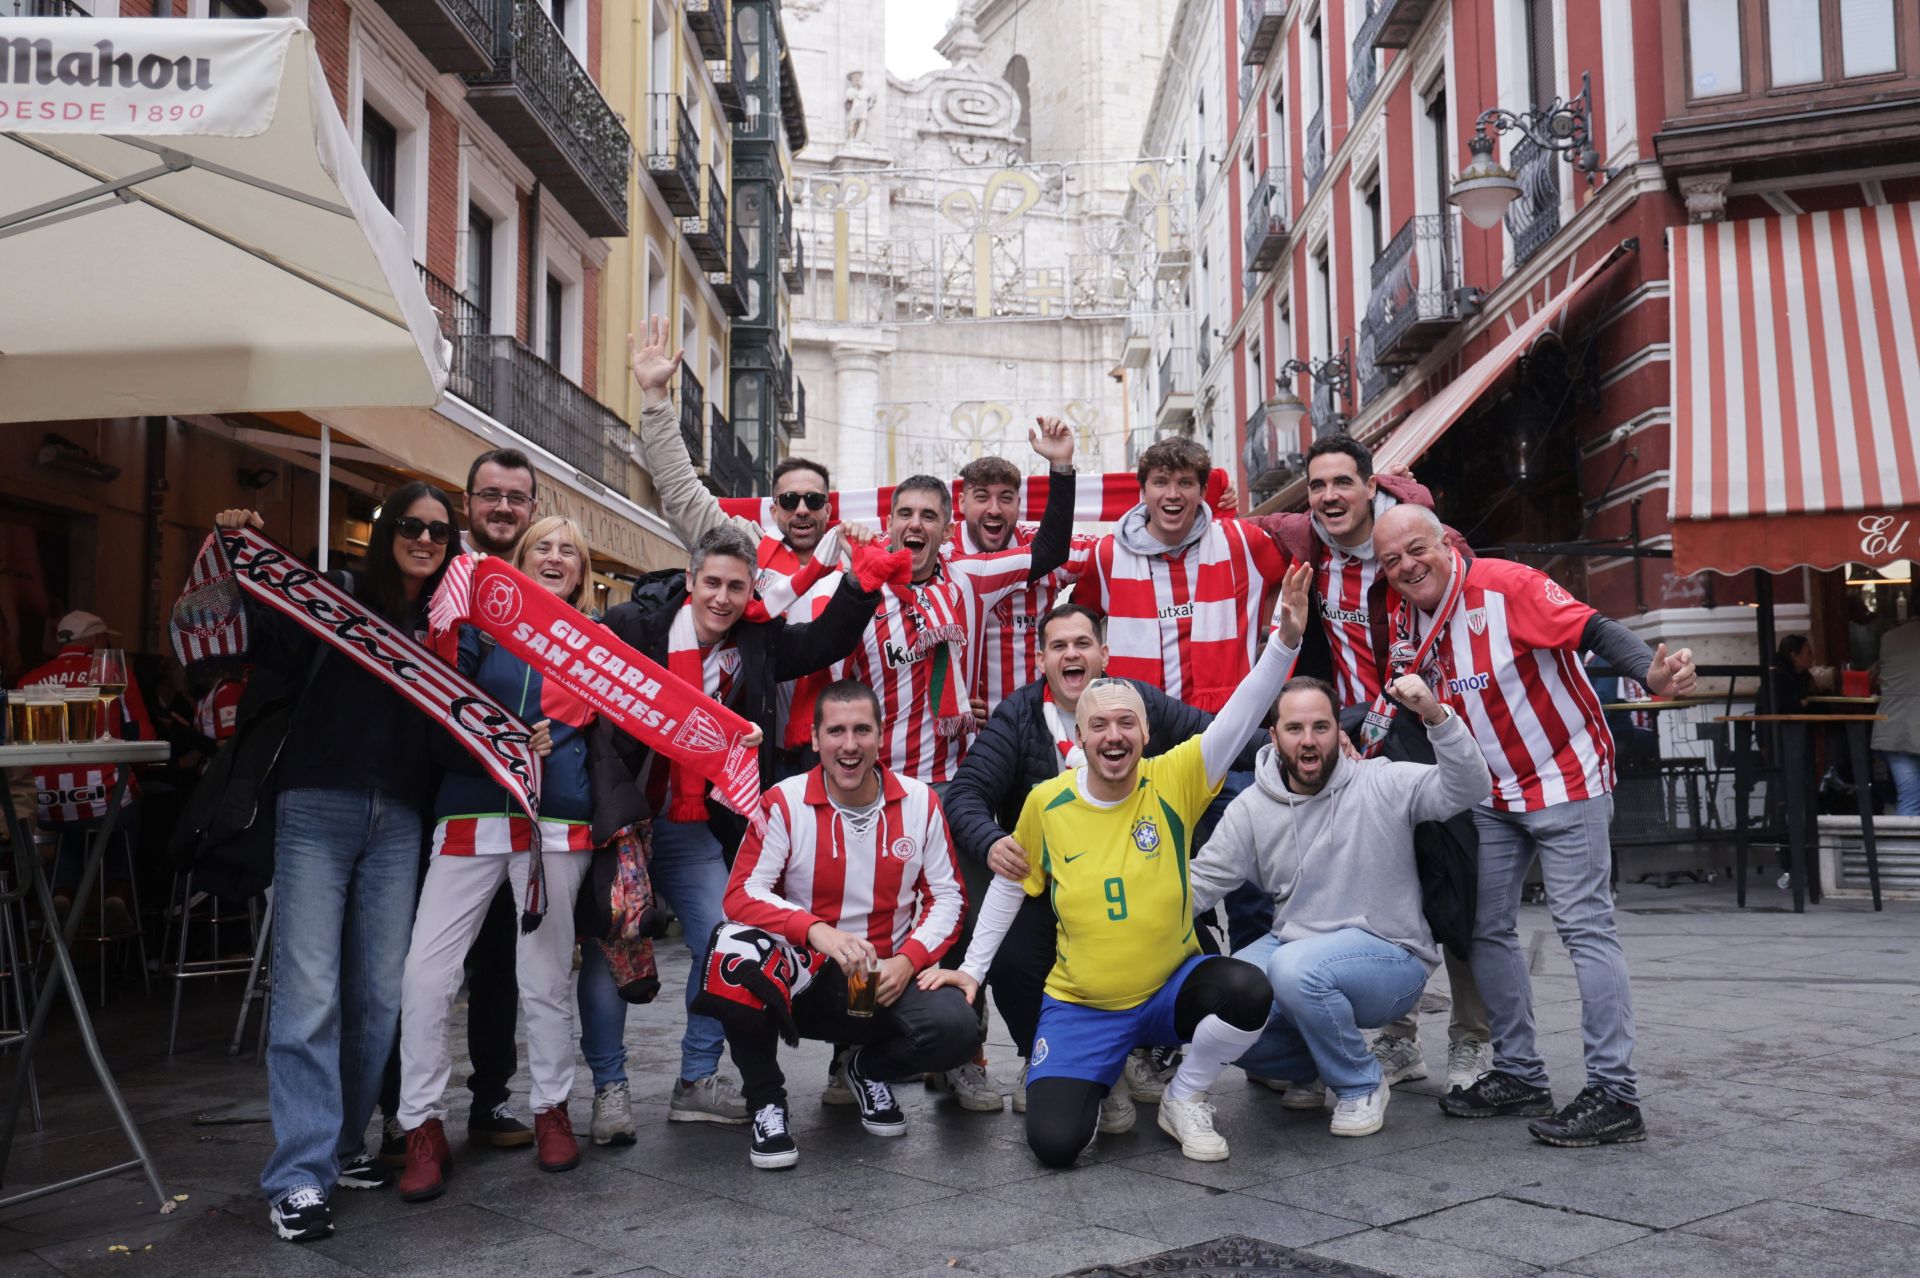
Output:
[[700, 732], [1477, 620], [1556, 596], [903, 849], [500, 601], [1146, 835], [730, 660], [1039, 1052]]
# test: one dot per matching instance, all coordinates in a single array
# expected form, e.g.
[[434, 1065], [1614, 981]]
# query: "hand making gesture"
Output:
[[653, 367], [1053, 440], [1671, 675], [1290, 618]]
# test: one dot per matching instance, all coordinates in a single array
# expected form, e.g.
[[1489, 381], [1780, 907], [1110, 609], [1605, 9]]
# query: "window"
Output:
[[236, 9], [380, 154], [1813, 42], [556, 322], [1793, 41], [1713, 47], [479, 281], [1868, 42], [1543, 78], [1437, 132], [1315, 85], [1370, 221], [1321, 341]]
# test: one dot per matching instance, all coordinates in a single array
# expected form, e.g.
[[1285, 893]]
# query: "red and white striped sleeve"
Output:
[[753, 888], [1540, 612], [992, 577], [942, 890]]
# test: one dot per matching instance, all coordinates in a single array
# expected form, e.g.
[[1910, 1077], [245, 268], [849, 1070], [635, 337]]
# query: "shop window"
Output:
[[1713, 48]]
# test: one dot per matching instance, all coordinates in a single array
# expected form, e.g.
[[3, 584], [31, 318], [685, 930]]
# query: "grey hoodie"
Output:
[[1343, 857]]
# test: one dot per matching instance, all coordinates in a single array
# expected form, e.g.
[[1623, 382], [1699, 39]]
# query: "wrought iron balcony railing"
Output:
[[1399, 19], [706, 231], [729, 76], [1416, 289], [1534, 215], [544, 105], [730, 468], [1175, 384], [693, 413], [1365, 73], [1248, 74], [795, 270], [797, 428], [463, 324], [673, 153], [783, 377], [1316, 148], [721, 427], [1370, 376], [731, 285], [1260, 22], [707, 19], [1266, 229], [456, 35]]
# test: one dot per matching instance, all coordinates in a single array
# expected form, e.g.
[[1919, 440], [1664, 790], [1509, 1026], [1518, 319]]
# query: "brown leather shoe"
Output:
[[553, 1135], [429, 1163]]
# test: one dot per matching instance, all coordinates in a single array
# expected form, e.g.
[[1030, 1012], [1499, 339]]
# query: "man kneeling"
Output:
[[1331, 840], [853, 861]]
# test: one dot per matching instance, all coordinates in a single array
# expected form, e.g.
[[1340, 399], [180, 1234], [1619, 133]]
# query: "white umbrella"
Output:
[[185, 228]]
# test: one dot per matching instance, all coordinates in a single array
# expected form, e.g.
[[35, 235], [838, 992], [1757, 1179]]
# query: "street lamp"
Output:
[[1483, 190], [1334, 372]]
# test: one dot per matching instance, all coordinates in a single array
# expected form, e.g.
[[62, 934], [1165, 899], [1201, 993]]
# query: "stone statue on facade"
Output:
[[859, 106]]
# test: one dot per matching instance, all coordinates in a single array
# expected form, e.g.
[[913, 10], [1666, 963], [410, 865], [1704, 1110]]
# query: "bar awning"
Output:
[[1796, 390]]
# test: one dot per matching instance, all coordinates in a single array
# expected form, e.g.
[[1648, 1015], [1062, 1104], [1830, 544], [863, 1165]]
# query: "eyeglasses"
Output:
[[410, 529], [494, 497], [791, 501]]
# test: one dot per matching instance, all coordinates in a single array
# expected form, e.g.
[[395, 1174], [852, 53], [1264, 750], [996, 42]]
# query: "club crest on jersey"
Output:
[[903, 849], [1039, 1052], [700, 731], [1477, 620], [1557, 595], [1146, 835], [730, 661]]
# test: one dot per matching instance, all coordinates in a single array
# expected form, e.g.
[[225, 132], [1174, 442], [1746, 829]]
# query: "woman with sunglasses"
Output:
[[353, 784], [480, 840]]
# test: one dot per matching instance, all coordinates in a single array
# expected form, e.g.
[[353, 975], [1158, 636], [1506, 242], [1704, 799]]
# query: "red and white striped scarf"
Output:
[[1097, 499], [710, 669], [1411, 654], [1065, 740]]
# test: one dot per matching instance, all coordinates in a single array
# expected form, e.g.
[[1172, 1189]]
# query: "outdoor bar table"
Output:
[[31, 877], [1800, 791]]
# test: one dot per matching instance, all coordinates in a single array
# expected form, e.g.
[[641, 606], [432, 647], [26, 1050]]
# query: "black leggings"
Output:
[[1062, 1113]]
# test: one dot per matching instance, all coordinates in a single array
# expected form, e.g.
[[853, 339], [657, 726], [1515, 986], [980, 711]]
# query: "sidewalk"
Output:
[[1777, 1060]]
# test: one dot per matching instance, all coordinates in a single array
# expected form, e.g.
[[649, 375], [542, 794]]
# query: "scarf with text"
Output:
[[1097, 499], [711, 670], [1410, 654]]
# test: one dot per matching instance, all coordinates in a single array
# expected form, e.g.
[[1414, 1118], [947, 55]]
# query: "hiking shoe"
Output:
[[429, 1163], [1467, 1060], [1020, 1090], [1400, 1059], [499, 1127], [364, 1171], [301, 1215], [559, 1148], [393, 1143], [1148, 1073], [1117, 1113], [1361, 1115], [713, 1099], [836, 1092], [1191, 1123], [971, 1087], [773, 1146], [1498, 1094], [1591, 1118], [879, 1112], [612, 1115]]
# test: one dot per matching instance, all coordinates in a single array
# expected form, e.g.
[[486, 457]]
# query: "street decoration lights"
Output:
[[1484, 189]]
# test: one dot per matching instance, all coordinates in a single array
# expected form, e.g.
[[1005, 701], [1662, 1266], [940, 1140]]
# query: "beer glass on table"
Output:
[[863, 987], [41, 716], [108, 674], [83, 713]]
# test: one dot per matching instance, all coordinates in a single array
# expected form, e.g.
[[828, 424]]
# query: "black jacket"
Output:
[[771, 653], [1017, 751]]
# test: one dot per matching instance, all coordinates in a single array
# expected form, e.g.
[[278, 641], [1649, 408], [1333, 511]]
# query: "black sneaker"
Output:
[[302, 1215], [1498, 1094], [393, 1143], [773, 1145], [879, 1112], [498, 1126], [364, 1171], [1592, 1118]]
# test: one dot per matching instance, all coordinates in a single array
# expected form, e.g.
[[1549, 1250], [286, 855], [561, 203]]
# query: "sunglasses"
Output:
[[791, 501], [410, 529]]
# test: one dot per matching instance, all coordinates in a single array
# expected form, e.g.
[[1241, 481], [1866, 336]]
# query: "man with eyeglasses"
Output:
[[501, 497]]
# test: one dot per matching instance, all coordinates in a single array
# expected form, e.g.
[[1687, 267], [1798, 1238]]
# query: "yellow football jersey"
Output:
[[1117, 878]]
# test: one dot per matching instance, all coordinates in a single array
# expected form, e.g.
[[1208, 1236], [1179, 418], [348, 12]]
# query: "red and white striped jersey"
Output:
[[896, 884], [1511, 660], [1010, 641], [1189, 622], [927, 721], [499, 835], [217, 715], [69, 794], [1342, 582]]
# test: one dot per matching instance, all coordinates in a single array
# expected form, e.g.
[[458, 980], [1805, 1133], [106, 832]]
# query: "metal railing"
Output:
[[1534, 215], [1203, 345], [45, 9], [1248, 74], [1397, 20], [1370, 376], [1175, 379], [706, 231], [673, 151], [730, 465], [1316, 148], [797, 429], [1364, 76], [1266, 230], [722, 429], [729, 76], [783, 376], [795, 271], [1260, 22], [1415, 282], [693, 413], [707, 19], [731, 285], [469, 376]]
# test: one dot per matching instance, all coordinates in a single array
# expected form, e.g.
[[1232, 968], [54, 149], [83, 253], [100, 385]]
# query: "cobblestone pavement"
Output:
[[1776, 1055]]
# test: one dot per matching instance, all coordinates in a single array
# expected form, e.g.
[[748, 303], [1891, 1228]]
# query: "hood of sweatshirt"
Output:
[[1133, 533], [1383, 501]]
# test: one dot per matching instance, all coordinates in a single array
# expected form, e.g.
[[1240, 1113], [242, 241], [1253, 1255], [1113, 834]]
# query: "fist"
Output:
[[1007, 858], [238, 519], [1412, 692], [540, 740], [1672, 674]]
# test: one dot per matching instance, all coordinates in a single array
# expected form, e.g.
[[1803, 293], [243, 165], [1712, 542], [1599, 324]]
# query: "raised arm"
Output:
[[1458, 778], [1053, 539], [1240, 718], [689, 509], [806, 647]]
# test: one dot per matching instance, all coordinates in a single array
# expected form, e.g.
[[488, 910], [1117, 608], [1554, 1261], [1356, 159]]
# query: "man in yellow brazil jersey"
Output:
[[1109, 844]]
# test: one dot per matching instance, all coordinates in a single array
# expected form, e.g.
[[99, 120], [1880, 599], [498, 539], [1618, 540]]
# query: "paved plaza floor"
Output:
[[1776, 1053]]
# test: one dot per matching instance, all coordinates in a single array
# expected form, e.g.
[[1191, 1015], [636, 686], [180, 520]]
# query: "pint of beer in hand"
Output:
[[863, 987]]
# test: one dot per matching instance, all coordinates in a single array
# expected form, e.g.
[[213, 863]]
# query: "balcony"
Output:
[[456, 35], [1416, 290], [783, 377], [706, 231], [1370, 377], [464, 325], [797, 429], [730, 285], [707, 19], [1137, 346], [545, 106], [729, 76], [1260, 22], [673, 153], [1534, 215], [1174, 264], [1203, 345], [722, 429], [730, 464], [1247, 77], [794, 272], [1175, 391], [1316, 148], [693, 413], [1266, 229], [1269, 460], [1364, 76], [1398, 20]]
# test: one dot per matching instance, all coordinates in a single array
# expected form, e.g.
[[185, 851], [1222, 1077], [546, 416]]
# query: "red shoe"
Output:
[[429, 1163], [554, 1140]]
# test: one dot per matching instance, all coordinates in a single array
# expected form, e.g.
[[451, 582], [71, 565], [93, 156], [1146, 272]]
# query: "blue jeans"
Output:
[[690, 873], [1576, 867], [345, 866], [1325, 988], [1906, 780], [1249, 907]]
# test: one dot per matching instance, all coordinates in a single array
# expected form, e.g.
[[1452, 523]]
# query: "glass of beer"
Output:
[[863, 987], [43, 718], [108, 673], [83, 713]]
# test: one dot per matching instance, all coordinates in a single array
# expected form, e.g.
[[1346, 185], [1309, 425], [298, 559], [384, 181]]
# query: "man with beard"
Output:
[[1505, 641], [1331, 841], [1032, 737]]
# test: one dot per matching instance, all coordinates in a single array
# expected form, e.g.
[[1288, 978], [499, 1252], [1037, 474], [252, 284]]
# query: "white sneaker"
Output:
[[971, 1087], [612, 1116], [1400, 1058], [1145, 1077], [1191, 1123], [713, 1099], [1020, 1091], [1467, 1060], [1300, 1095], [1117, 1113], [1361, 1115]]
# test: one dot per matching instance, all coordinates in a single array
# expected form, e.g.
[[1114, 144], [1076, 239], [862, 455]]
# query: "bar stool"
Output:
[[259, 985], [100, 937], [17, 979], [181, 969]]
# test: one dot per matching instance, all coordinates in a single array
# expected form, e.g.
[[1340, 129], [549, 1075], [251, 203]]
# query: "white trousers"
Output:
[[453, 903]]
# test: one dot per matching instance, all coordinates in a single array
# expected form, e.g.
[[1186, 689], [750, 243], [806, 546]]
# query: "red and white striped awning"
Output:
[[1796, 390]]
